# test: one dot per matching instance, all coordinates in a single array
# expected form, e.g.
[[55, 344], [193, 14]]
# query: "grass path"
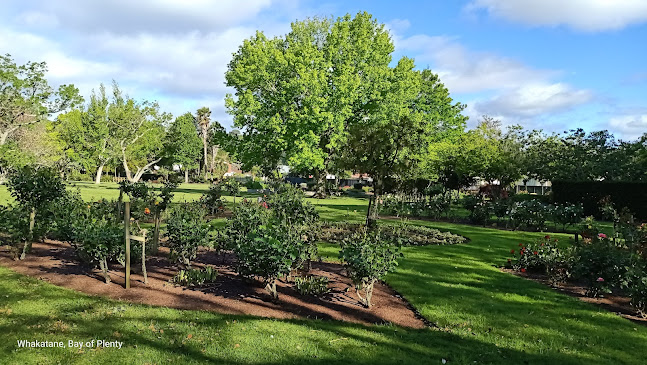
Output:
[[483, 314]]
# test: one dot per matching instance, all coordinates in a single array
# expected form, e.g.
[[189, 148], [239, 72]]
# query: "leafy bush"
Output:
[[479, 208], [272, 237], [232, 186], [601, 264], [212, 200], [186, 231], [14, 227], [269, 251], [100, 241], [254, 184], [544, 255], [76, 175], [196, 277], [367, 257], [69, 213], [531, 214], [567, 215], [288, 204], [636, 285], [34, 190], [311, 285]]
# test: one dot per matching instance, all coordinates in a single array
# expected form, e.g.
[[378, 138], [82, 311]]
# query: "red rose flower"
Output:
[[523, 270], [512, 251], [547, 237], [535, 252], [521, 244]]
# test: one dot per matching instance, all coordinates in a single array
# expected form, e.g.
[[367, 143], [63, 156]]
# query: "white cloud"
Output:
[[465, 71], [175, 52], [583, 15], [630, 126], [534, 100], [150, 16]]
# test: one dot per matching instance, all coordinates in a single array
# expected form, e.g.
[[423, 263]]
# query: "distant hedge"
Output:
[[631, 195]]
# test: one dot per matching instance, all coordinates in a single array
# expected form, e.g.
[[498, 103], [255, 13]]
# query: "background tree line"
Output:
[[325, 98]]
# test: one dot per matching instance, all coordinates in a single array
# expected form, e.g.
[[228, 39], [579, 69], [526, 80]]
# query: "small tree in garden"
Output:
[[232, 186], [102, 240], [212, 199], [14, 224], [186, 231], [273, 237], [270, 252], [34, 190], [367, 257]]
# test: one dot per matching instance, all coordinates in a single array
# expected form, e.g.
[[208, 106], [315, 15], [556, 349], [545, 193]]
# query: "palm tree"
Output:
[[203, 119]]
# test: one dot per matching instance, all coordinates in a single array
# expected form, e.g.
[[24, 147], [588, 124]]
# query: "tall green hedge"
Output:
[[632, 195]]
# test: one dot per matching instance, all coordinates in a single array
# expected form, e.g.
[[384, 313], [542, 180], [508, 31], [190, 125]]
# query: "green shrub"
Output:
[[269, 251], [196, 277], [368, 256], [69, 213], [530, 214], [34, 190], [272, 237], [545, 256], [311, 285], [186, 231], [567, 215], [254, 184], [76, 175], [601, 264], [101, 240], [212, 200], [14, 227]]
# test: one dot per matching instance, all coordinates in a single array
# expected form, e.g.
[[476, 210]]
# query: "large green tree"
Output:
[[26, 97], [139, 132], [87, 134], [183, 145], [392, 133], [295, 95]]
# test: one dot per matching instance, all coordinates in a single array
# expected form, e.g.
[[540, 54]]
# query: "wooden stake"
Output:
[[127, 233], [144, 257]]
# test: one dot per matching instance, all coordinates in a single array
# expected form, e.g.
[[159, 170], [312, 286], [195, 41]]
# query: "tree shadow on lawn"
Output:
[[499, 307], [214, 338]]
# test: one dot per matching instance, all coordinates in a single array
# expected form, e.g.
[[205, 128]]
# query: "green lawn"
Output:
[[484, 316]]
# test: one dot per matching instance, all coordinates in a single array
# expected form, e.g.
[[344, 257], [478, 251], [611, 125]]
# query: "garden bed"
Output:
[[617, 304], [55, 262]]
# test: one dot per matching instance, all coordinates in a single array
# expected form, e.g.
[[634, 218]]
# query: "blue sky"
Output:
[[547, 64]]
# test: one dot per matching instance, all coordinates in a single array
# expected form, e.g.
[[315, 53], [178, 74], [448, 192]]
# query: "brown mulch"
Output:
[[617, 304], [55, 262]]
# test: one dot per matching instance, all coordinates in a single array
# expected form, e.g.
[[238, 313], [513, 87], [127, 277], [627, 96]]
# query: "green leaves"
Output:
[[186, 231]]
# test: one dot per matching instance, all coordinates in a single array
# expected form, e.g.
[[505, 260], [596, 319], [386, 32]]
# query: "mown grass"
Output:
[[483, 316]]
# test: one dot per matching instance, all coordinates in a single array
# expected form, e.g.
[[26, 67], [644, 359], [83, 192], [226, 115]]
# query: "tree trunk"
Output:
[[144, 260], [204, 145], [97, 179], [26, 248], [104, 270], [214, 152], [3, 137], [156, 234], [129, 176], [271, 288], [320, 192], [186, 176], [373, 209]]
